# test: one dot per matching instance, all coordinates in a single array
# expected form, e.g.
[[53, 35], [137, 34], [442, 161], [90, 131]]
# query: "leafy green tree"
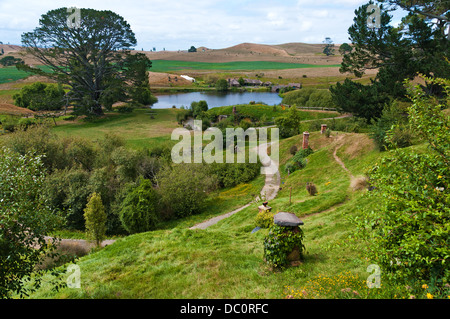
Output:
[[89, 59], [25, 221], [345, 48], [198, 108], [321, 98], [222, 85], [407, 233], [192, 49], [399, 53], [328, 48], [10, 61], [95, 217], [137, 66], [364, 101], [140, 208], [289, 125], [40, 97]]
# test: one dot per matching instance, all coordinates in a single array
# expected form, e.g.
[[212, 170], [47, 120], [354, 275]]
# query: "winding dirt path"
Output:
[[268, 192], [337, 159]]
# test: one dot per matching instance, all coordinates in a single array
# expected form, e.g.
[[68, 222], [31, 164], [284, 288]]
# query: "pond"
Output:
[[215, 99]]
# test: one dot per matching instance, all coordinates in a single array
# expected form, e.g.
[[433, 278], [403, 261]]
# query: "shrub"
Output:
[[279, 244], [40, 140], [407, 232], [293, 149], [264, 219], [311, 188], [222, 85], [298, 161], [125, 109], [67, 191], [95, 217], [184, 189], [229, 175], [140, 208], [289, 125], [24, 211], [40, 96]]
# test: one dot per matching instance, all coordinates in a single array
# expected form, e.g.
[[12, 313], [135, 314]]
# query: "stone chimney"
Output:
[[323, 129], [305, 140]]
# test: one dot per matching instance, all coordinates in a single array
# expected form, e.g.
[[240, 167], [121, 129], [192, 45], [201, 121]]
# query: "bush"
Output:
[[293, 149], [24, 212], [407, 233], [264, 219], [298, 161], [40, 96], [67, 191], [222, 85], [95, 217], [289, 125], [280, 242], [125, 109], [229, 175], [184, 189], [393, 114], [140, 208]]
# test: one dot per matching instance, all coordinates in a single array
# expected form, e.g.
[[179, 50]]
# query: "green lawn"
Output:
[[172, 66], [11, 74], [258, 110], [138, 128]]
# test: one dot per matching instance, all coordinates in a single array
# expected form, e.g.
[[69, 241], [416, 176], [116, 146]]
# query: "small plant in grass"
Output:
[[298, 161], [293, 150], [264, 219], [280, 243]]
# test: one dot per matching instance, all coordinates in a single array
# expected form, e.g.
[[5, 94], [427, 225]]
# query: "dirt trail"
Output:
[[269, 191], [337, 159]]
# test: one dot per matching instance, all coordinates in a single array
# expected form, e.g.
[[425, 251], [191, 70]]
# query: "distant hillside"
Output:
[[287, 53]]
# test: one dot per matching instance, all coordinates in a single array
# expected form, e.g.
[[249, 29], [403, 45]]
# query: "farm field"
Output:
[[173, 66], [11, 73]]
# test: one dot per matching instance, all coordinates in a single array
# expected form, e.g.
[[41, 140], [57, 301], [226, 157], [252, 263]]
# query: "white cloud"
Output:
[[178, 24]]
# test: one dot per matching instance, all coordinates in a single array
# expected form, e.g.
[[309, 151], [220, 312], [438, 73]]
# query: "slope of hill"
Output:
[[226, 259], [288, 53]]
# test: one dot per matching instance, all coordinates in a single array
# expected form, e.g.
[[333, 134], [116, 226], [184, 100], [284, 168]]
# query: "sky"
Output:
[[215, 24]]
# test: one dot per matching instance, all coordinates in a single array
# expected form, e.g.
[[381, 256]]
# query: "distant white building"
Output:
[[188, 78]]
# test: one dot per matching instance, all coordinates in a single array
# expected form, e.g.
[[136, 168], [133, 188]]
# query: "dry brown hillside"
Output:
[[289, 53]]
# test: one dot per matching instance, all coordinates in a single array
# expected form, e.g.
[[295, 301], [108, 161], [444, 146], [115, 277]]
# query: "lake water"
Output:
[[215, 99]]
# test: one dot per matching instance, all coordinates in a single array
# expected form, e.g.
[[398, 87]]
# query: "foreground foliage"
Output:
[[408, 233], [25, 219]]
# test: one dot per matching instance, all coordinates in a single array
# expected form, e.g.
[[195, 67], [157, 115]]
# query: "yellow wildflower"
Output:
[[424, 286], [440, 176], [429, 296]]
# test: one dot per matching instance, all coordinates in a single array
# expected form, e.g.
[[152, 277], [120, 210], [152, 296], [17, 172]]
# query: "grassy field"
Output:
[[11, 74], [172, 66], [142, 128], [258, 110], [226, 260]]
